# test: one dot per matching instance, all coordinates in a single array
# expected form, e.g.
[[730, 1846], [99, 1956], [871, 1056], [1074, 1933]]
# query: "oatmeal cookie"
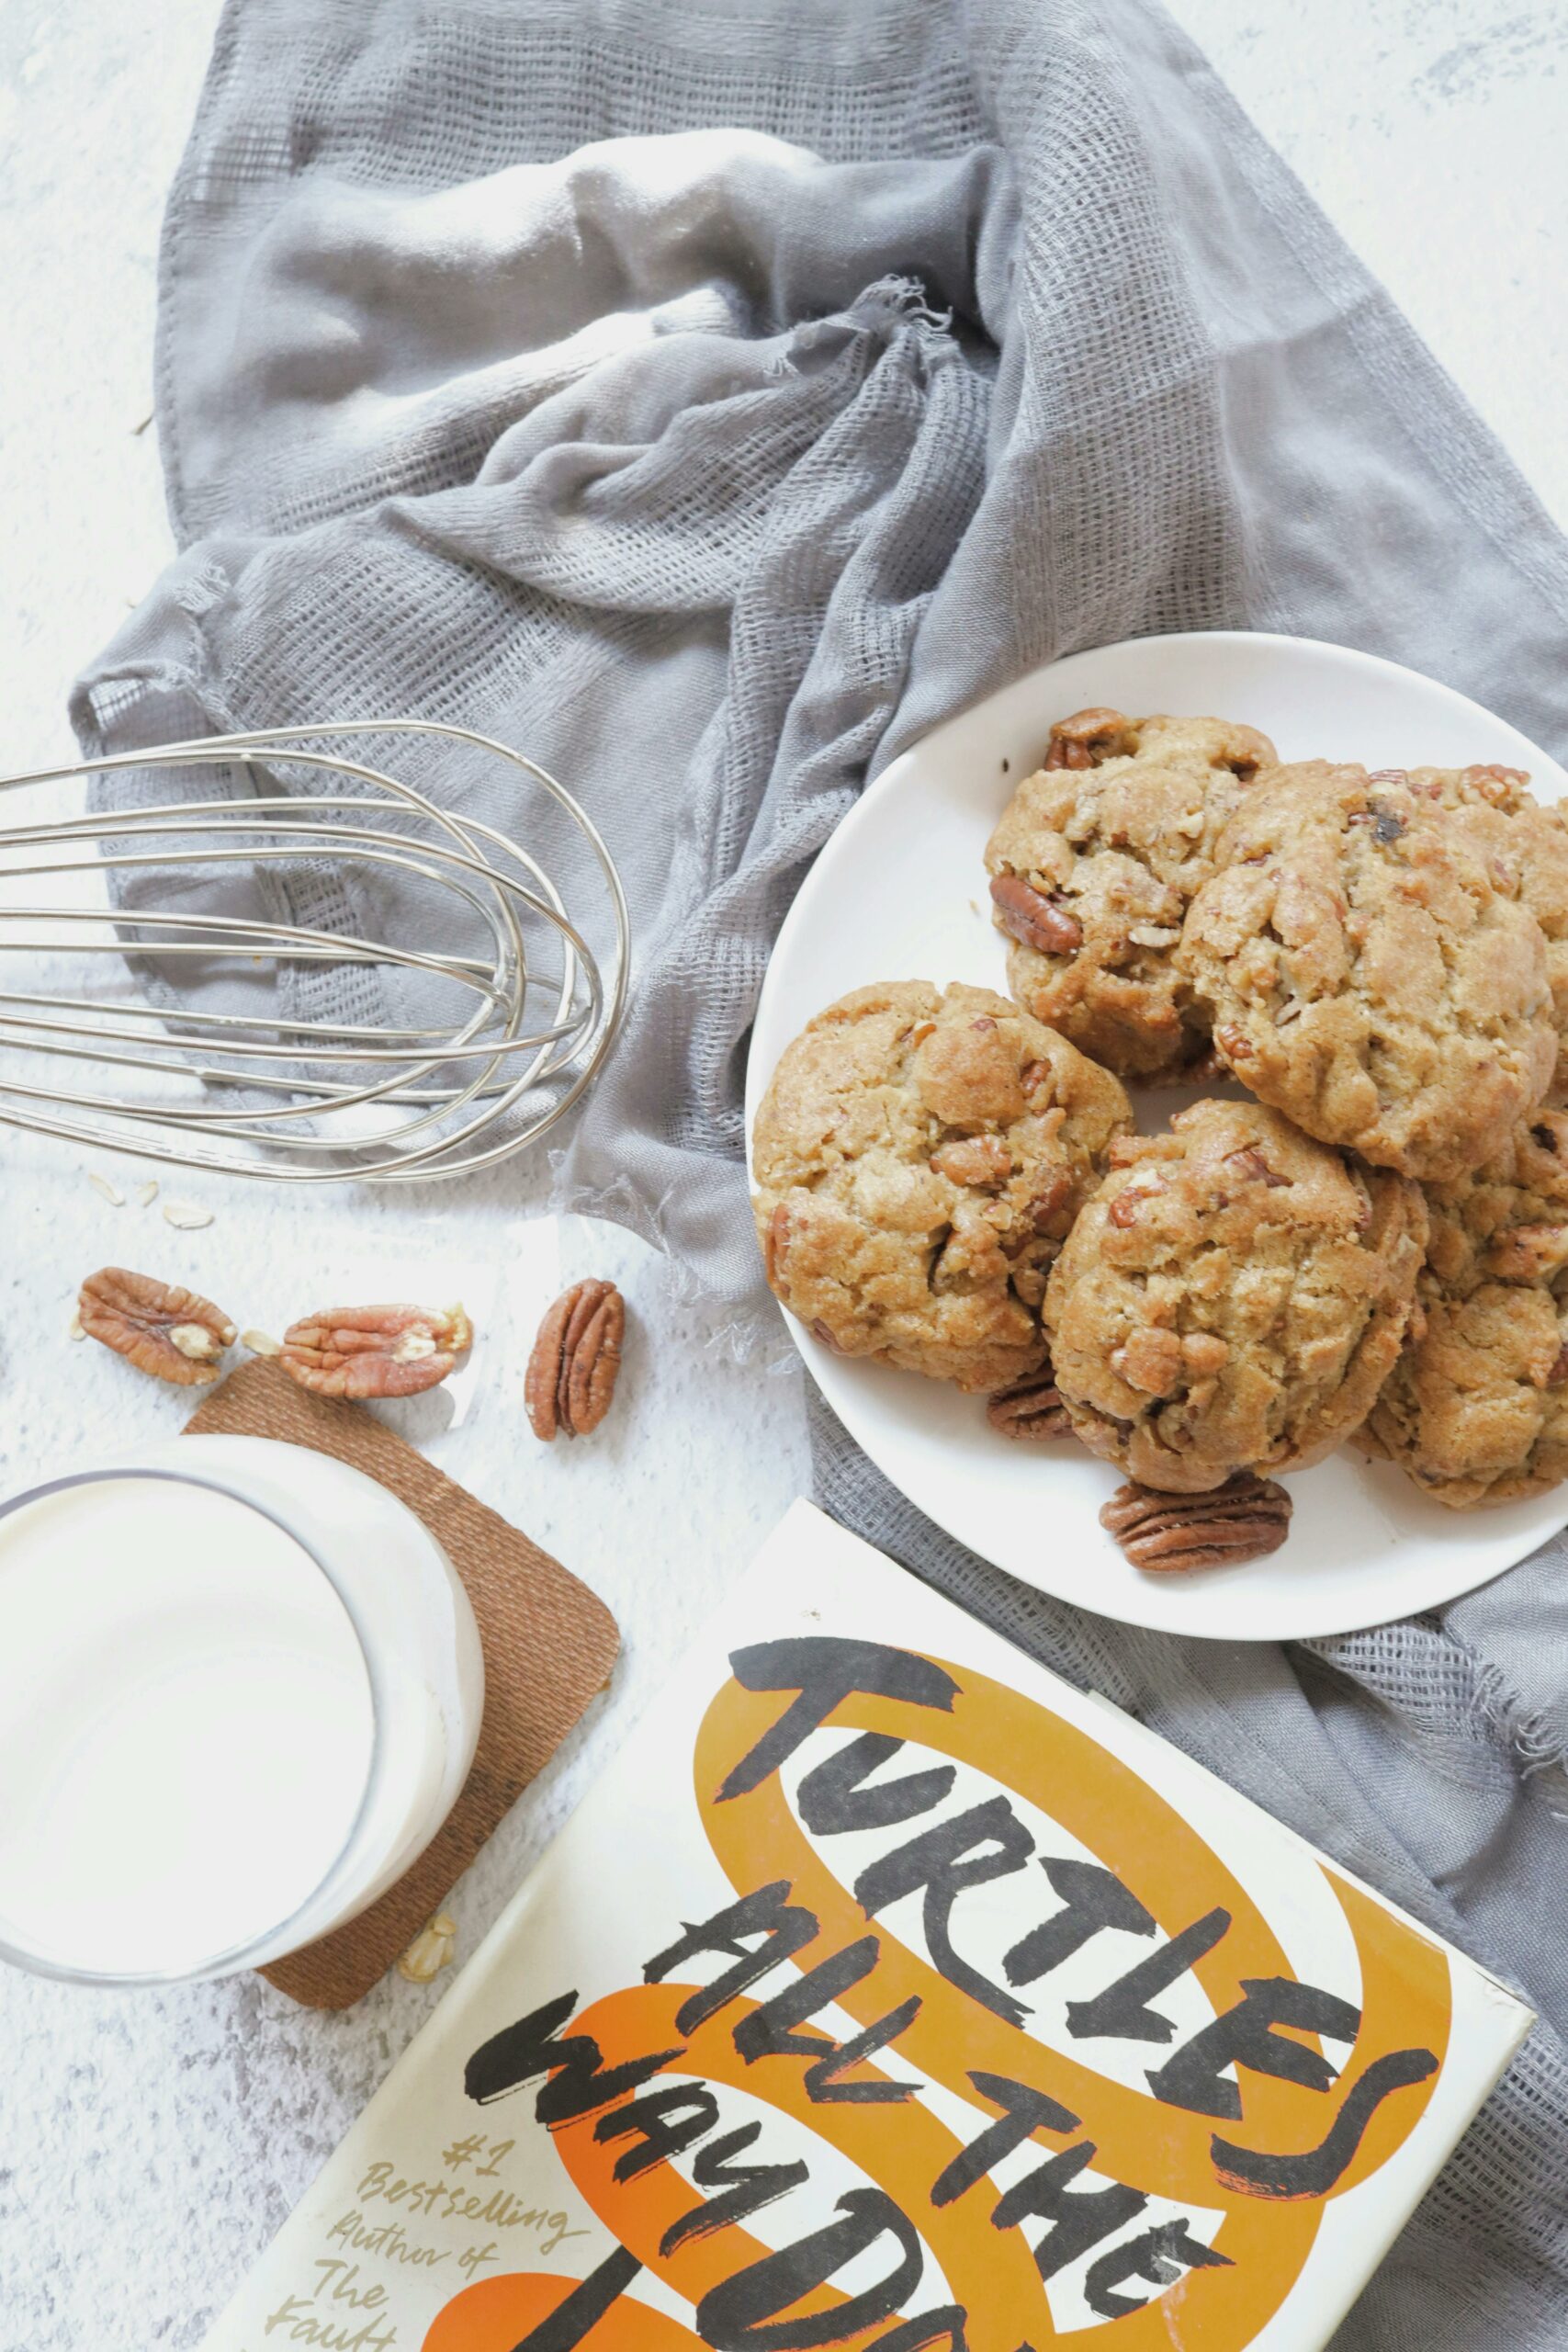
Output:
[[1476, 1410], [1367, 974], [1230, 1299], [1092, 869], [1526, 848], [919, 1157]]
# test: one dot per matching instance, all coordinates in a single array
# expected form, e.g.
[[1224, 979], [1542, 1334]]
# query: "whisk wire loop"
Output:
[[492, 1012]]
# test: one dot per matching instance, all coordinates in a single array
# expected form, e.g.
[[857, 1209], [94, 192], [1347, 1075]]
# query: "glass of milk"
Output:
[[240, 1691]]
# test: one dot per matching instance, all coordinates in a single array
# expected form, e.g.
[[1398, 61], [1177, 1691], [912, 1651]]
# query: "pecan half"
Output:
[[1033, 920], [175, 1334], [364, 1352], [1085, 739], [1030, 1408], [1243, 1519], [576, 1360], [1234, 1044]]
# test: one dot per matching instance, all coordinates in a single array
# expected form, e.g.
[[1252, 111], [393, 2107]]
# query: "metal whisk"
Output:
[[286, 1041]]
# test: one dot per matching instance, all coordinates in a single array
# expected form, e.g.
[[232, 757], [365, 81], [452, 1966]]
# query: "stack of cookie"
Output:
[[1374, 1247]]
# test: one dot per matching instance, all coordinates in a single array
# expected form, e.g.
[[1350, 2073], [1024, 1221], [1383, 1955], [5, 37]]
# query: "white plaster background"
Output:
[[150, 2144]]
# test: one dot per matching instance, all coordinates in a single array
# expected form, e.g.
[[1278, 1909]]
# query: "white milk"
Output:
[[185, 1726]]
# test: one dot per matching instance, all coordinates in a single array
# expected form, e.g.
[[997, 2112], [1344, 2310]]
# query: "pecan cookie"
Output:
[[1093, 866], [1232, 1299], [1476, 1410], [1367, 974], [920, 1156], [1526, 849]]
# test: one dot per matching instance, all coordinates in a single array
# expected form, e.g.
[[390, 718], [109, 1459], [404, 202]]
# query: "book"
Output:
[[890, 1994]]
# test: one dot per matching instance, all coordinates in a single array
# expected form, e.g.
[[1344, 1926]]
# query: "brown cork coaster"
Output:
[[549, 1645]]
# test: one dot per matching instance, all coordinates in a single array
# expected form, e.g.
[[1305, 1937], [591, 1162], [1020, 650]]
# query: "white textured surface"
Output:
[[149, 2144]]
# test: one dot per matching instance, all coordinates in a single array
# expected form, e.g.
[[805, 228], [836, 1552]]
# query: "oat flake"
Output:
[[188, 1216]]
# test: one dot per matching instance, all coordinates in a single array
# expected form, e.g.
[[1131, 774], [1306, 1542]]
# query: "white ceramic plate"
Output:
[[899, 894]]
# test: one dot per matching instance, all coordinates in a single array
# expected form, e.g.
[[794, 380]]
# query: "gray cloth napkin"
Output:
[[706, 399]]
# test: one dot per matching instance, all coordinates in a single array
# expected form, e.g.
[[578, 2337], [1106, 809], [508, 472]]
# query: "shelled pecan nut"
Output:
[[1244, 1519], [1124, 1210], [1034, 919], [1030, 1408], [576, 1360], [1085, 739], [175, 1334], [360, 1352]]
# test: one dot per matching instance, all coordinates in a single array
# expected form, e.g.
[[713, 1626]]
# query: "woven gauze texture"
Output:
[[708, 400]]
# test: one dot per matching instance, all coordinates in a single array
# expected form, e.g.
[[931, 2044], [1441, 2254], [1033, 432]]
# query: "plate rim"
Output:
[[886, 783]]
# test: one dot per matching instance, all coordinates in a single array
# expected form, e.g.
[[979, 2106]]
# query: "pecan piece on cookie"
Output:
[[176, 1335], [1034, 919], [364, 1352], [1086, 738], [576, 1360], [1250, 1161], [1244, 1519]]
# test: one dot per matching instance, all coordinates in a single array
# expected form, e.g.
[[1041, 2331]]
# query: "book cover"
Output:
[[888, 1994]]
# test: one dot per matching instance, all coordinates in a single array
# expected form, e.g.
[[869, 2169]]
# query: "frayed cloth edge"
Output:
[[883, 310]]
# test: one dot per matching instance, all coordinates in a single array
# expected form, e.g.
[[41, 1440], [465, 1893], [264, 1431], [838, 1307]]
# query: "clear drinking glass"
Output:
[[241, 1687]]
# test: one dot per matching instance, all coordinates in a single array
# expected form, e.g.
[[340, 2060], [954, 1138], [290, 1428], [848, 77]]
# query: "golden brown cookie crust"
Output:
[[1093, 866], [1366, 975], [1231, 1298], [1476, 1410], [919, 1156]]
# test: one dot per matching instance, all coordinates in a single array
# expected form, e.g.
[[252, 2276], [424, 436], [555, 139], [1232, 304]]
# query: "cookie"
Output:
[[919, 1159], [1231, 1298], [1366, 972], [1093, 866], [1476, 1410], [1526, 847]]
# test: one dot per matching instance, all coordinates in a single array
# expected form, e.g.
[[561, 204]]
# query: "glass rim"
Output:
[[263, 1946]]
